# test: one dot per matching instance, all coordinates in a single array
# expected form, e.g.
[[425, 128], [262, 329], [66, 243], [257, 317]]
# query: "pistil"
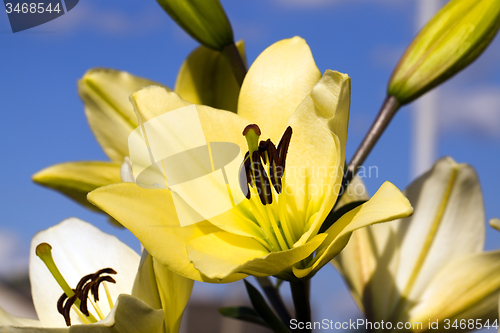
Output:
[[77, 298], [263, 170]]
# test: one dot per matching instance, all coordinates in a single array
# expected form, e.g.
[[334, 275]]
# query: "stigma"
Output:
[[78, 298]]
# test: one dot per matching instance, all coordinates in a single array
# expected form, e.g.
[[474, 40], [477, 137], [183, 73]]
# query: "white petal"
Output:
[[388, 266], [8, 319], [78, 249], [465, 289], [130, 315], [448, 224], [126, 173]]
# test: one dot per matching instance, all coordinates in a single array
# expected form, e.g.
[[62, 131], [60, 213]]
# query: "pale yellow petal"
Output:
[[150, 215], [76, 179], [276, 83], [217, 125], [387, 204], [220, 254], [448, 224], [161, 288], [467, 288], [314, 166], [105, 94], [206, 78], [399, 258], [367, 268], [495, 223]]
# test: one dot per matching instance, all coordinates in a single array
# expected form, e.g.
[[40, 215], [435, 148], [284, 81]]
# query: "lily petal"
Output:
[[78, 249], [221, 254], [77, 179], [206, 78], [466, 288], [105, 93], [276, 83], [7, 319], [315, 160], [400, 258], [495, 223], [161, 288], [150, 215], [154, 101], [387, 204], [129, 315], [449, 224]]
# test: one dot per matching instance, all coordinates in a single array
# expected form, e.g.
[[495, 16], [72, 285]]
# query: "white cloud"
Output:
[[326, 3], [108, 21], [12, 258], [387, 56], [475, 112], [306, 3]]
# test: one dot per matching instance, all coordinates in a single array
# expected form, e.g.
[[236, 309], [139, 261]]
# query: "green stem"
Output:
[[301, 291], [384, 117], [234, 58], [275, 299]]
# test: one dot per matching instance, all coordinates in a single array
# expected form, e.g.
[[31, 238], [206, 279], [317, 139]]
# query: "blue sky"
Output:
[[44, 122]]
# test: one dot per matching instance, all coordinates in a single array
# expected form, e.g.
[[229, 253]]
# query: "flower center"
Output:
[[262, 180], [78, 298]]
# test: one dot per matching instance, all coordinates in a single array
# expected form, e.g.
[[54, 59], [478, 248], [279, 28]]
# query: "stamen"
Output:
[[283, 147], [245, 176], [267, 153], [261, 179], [95, 286], [90, 283], [272, 155]]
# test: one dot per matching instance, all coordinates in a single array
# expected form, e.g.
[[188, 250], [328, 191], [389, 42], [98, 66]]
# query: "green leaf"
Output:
[[263, 310], [242, 313]]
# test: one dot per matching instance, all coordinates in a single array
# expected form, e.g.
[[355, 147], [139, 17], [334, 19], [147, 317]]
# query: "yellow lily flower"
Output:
[[123, 305], [272, 234], [429, 267], [205, 77]]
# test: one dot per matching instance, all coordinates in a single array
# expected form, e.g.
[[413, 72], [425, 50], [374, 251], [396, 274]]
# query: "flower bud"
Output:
[[448, 43], [204, 20]]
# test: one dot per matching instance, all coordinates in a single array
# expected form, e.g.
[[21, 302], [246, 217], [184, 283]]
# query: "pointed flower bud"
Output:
[[204, 20], [449, 42]]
